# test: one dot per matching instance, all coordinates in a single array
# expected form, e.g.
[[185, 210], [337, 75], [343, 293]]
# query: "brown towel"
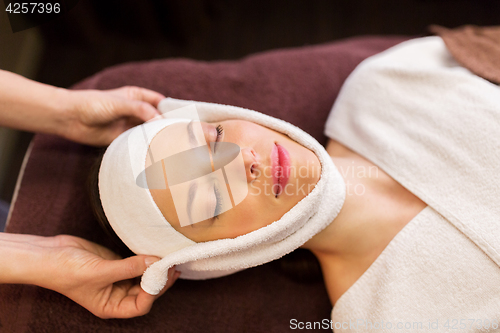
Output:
[[475, 48]]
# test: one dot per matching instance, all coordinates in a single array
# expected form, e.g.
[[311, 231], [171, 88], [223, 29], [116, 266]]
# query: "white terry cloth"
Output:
[[137, 220], [427, 279], [435, 128], [128, 207]]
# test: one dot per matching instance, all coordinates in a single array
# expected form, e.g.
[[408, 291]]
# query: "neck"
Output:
[[362, 215], [375, 209]]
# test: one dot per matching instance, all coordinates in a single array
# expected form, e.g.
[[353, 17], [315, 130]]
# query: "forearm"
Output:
[[31, 106], [21, 259]]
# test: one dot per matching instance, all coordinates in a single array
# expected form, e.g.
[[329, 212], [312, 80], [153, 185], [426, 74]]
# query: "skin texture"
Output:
[[88, 273], [256, 143]]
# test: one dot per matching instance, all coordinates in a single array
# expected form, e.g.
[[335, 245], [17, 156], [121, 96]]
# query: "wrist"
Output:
[[21, 262], [64, 110]]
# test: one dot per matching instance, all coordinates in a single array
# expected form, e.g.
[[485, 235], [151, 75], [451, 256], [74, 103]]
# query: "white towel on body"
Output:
[[435, 128]]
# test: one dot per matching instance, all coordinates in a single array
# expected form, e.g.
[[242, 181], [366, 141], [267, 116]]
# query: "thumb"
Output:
[[140, 110], [131, 267]]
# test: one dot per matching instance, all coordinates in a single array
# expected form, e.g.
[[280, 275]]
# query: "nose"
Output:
[[251, 159]]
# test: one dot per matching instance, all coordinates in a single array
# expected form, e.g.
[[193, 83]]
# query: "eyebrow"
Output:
[[192, 138], [191, 193]]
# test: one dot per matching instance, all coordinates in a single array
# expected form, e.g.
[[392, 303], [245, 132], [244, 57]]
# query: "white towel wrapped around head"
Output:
[[139, 223]]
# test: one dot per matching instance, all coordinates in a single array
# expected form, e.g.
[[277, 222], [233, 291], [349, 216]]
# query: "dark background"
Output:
[[97, 34], [100, 33]]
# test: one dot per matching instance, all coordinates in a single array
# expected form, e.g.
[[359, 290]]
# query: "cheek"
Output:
[[245, 215], [246, 133], [251, 214]]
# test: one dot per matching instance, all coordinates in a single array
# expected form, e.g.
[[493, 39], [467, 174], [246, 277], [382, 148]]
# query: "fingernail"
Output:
[[150, 260]]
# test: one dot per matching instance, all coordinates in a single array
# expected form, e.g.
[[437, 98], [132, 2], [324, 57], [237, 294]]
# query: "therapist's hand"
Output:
[[88, 273], [98, 279], [93, 117], [96, 117]]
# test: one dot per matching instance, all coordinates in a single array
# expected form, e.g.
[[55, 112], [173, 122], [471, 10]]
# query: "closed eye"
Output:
[[218, 204]]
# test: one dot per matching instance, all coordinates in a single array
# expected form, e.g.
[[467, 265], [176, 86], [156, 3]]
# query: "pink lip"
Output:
[[280, 168]]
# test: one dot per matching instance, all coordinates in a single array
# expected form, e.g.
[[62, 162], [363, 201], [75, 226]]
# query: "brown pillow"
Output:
[[297, 85]]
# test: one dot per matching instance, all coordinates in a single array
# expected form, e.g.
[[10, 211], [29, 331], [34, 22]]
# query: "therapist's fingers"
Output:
[[139, 110], [143, 94], [129, 268], [144, 100], [135, 266], [134, 301]]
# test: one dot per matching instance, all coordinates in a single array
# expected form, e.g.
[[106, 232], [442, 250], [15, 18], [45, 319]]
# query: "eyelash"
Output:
[[218, 197], [220, 131]]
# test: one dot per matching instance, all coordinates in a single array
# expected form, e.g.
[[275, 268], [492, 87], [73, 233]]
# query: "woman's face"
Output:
[[279, 171]]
